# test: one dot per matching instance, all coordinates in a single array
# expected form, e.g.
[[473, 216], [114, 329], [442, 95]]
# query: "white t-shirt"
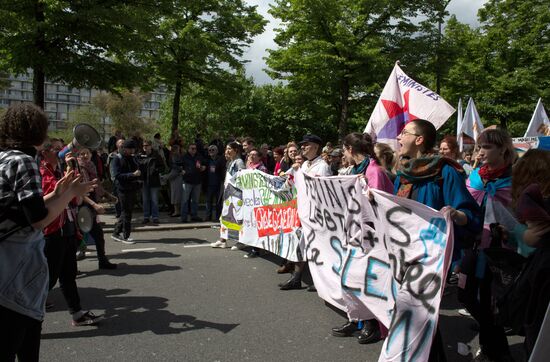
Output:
[[316, 167]]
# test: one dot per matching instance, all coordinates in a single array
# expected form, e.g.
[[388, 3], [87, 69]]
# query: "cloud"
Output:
[[465, 11]]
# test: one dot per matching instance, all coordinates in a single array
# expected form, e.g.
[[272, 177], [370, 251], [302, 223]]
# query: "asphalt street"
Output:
[[173, 298]]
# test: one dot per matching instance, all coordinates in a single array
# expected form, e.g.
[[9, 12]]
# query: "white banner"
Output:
[[268, 213], [386, 258]]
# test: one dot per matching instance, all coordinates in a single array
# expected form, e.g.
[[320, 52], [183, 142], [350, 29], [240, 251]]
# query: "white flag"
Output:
[[539, 125], [471, 124], [404, 100]]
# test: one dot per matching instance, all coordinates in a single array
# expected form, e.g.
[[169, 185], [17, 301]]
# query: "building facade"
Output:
[[61, 100]]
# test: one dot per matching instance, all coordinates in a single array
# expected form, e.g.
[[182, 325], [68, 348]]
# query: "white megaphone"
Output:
[[85, 136], [85, 219]]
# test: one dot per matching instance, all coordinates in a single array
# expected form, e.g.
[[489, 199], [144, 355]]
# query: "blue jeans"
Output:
[[150, 202], [192, 192]]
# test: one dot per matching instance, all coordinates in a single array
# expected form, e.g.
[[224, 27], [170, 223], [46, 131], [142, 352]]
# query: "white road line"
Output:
[[196, 246], [142, 249]]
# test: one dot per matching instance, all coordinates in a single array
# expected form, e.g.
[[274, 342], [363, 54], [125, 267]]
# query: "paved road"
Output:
[[182, 300]]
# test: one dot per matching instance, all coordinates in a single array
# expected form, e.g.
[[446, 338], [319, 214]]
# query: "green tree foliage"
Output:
[[504, 65], [338, 52], [201, 42], [83, 43]]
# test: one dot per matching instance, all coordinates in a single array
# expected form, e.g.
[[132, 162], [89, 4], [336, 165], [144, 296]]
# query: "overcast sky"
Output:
[[465, 11]]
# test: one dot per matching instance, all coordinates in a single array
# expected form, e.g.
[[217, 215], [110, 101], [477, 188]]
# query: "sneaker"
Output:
[[116, 237], [156, 222], [127, 240], [87, 319], [234, 247], [464, 312], [80, 255], [219, 244], [145, 221], [196, 219]]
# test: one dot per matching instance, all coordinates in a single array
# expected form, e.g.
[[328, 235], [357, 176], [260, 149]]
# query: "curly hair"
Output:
[[23, 125], [531, 168]]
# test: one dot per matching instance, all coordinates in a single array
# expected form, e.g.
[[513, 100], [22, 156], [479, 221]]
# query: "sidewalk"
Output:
[[166, 223]]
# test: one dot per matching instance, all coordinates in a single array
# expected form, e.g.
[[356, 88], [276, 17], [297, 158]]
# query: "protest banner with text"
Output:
[[385, 258], [268, 214]]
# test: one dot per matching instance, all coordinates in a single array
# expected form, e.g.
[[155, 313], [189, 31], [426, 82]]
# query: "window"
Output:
[[62, 97], [62, 88], [74, 99]]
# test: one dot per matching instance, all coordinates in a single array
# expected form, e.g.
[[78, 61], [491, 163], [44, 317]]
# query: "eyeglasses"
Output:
[[211, 150], [404, 132]]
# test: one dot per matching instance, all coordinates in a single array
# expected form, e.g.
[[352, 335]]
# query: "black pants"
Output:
[[19, 336], [492, 338], [213, 202], [60, 252], [127, 201], [97, 233]]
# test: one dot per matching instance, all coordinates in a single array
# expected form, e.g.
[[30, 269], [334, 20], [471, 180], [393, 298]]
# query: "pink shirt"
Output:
[[377, 178]]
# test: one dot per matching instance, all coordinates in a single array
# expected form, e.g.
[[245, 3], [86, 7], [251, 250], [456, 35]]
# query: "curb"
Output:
[[165, 227]]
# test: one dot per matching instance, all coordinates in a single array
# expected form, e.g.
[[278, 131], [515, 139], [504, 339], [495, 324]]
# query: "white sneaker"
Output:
[[128, 241], [234, 247], [464, 312], [219, 244]]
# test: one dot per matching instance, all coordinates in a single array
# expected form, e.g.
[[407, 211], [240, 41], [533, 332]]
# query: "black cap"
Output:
[[311, 138], [129, 144]]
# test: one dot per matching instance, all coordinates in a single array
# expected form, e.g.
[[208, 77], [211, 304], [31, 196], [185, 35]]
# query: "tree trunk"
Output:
[[38, 80], [176, 107], [344, 105], [40, 45]]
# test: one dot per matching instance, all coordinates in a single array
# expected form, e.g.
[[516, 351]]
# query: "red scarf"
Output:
[[493, 174]]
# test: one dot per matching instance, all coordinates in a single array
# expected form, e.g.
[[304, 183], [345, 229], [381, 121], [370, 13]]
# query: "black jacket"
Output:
[[151, 167], [122, 172]]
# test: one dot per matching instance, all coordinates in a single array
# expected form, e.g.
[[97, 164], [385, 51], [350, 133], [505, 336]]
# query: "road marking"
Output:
[[196, 246], [142, 249]]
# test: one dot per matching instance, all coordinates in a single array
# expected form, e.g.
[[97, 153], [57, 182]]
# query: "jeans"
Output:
[[150, 198], [60, 252], [124, 224], [20, 336], [192, 192]]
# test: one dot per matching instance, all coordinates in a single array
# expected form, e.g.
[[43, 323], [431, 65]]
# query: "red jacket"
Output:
[[49, 180]]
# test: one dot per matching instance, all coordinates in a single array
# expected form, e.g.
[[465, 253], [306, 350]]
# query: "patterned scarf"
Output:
[[422, 169]]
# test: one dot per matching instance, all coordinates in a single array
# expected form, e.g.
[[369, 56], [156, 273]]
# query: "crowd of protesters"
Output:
[[40, 236]]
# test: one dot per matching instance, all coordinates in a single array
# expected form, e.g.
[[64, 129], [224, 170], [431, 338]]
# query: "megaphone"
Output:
[[85, 219], [85, 136]]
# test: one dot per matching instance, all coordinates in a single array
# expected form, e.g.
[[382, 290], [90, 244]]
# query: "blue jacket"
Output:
[[449, 190], [24, 274]]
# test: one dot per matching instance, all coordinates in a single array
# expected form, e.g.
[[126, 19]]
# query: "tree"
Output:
[[505, 63], [338, 51], [201, 42], [83, 43]]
